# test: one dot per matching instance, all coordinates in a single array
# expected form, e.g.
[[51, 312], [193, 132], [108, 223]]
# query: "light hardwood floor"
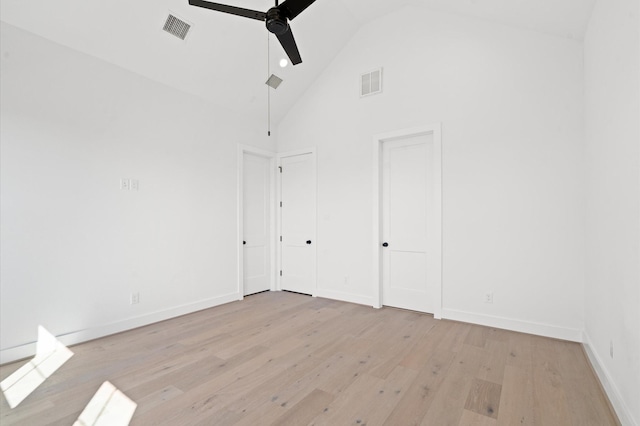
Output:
[[286, 359]]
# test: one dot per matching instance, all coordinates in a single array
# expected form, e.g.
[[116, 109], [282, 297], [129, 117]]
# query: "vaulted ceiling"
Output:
[[224, 57]]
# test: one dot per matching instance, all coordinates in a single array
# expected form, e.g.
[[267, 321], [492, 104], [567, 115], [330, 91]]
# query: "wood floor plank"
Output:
[[469, 418], [201, 401], [22, 416], [379, 406], [400, 345], [218, 417], [550, 402], [447, 334], [284, 358], [582, 387], [348, 405], [449, 402], [520, 352], [516, 399], [476, 336], [332, 375], [245, 397], [305, 410], [355, 367], [484, 398], [413, 406], [154, 399], [493, 367], [369, 401]]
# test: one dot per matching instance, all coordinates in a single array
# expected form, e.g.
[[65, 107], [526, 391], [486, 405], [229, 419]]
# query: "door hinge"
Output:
[[280, 238], [280, 272], [280, 203]]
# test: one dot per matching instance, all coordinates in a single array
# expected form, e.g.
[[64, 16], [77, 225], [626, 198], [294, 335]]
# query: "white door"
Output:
[[298, 221], [256, 183], [407, 202]]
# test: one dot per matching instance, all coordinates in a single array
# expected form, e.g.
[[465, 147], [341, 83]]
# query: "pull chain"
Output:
[[268, 88]]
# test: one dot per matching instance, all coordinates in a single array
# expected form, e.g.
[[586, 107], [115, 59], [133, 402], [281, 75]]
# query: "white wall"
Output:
[[612, 314], [511, 106], [74, 246]]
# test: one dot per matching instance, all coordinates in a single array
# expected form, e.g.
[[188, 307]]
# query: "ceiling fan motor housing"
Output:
[[276, 19], [276, 22]]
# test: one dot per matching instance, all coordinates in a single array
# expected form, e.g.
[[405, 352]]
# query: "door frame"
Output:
[[435, 287], [314, 247], [271, 156]]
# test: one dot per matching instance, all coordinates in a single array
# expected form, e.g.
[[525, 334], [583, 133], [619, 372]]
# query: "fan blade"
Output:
[[289, 44], [247, 13], [293, 8]]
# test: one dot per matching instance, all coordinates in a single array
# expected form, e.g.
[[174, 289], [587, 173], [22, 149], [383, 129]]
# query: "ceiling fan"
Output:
[[277, 19]]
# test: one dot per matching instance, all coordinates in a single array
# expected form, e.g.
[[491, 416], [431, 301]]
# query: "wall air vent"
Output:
[[273, 81], [176, 26], [371, 83]]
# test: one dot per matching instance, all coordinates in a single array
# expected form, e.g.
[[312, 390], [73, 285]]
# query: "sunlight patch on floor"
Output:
[[108, 407], [50, 355]]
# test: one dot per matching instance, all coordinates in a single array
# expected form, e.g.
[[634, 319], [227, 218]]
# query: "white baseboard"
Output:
[[570, 334], [73, 338], [622, 410], [344, 297]]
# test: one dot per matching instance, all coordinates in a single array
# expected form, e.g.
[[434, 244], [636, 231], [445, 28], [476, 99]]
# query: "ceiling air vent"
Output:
[[176, 26], [273, 81], [371, 83]]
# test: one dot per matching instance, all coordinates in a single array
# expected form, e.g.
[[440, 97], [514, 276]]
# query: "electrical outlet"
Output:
[[488, 297], [611, 348], [125, 184], [135, 185], [135, 298]]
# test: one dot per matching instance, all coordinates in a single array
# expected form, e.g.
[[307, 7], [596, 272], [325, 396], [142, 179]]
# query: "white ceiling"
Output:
[[224, 59]]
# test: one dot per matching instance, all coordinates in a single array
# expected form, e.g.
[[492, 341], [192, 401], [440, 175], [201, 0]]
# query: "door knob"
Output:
[[385, 244], [308, 241], [244, 242]]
